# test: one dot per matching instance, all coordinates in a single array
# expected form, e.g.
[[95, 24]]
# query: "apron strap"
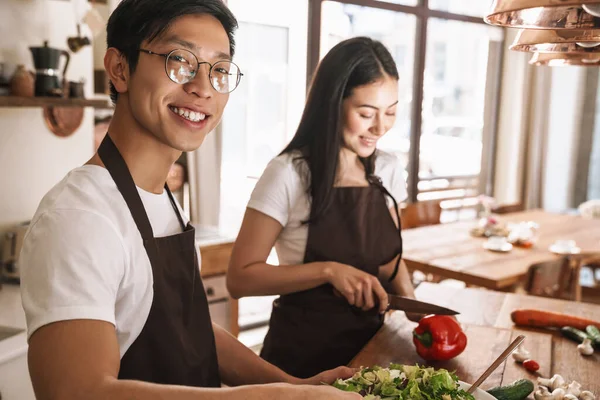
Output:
[[179, 217], [116, 166], [376, 181]]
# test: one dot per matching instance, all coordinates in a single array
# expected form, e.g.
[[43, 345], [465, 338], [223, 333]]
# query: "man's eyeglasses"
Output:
[[182, 66]]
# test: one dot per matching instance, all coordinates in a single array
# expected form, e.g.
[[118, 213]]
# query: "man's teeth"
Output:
[[189, 115]]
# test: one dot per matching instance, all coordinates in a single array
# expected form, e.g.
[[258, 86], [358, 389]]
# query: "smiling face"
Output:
[[179, 115], [368, 114]]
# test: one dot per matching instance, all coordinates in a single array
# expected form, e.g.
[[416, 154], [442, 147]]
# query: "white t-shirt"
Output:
[[281, 194], [83, 256]]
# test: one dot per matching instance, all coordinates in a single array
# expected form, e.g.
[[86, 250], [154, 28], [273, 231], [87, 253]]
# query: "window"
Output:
[[449, 70], [476, 8], [454, 100], [264, 111]]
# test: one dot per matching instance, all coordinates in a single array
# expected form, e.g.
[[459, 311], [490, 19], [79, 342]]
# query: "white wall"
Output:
[[566, 107], [512, 124], [32, 159]]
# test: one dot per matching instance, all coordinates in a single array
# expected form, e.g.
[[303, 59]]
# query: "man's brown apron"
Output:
[[176, 345], [315, 330]]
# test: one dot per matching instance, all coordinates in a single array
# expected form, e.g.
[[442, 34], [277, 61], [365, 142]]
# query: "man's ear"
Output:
[[117, 69]]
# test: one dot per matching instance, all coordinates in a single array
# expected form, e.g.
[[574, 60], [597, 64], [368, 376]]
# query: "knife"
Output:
[[415, 306]]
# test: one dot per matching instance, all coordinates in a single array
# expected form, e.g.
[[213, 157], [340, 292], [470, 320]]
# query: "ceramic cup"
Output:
[[565, 245], [497, 241]]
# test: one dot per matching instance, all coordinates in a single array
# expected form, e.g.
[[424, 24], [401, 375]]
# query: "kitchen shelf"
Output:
[[13, 101]]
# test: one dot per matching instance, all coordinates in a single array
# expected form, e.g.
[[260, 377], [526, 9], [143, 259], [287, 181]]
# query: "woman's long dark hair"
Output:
[[352, 63]]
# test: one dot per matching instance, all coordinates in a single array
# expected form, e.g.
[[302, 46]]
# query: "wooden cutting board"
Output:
[[393, 343]]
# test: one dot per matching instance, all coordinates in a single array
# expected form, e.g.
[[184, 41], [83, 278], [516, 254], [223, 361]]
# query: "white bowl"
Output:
[[478, 394]]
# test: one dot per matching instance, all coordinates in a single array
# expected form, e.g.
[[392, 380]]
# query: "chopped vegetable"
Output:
[[543, 394], [558, 393], [548, 319], [573, 334], [574, 388], [594, 334], [439, 337], [531, 365], [587, 395], [518, 390], [555, 382], [401, 382], [521, 354], [586, 348]]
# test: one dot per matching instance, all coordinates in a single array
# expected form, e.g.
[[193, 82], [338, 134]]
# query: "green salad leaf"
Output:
[[404, 382]]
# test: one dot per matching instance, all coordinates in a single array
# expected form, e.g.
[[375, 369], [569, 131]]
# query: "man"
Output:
[[115, 305]]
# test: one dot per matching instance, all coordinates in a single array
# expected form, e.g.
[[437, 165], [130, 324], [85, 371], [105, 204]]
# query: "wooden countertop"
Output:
[[485, 316]]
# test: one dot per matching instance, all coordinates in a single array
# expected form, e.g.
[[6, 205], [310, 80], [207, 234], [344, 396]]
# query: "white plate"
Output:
[[562, 251], [478, 394], [505, 247]]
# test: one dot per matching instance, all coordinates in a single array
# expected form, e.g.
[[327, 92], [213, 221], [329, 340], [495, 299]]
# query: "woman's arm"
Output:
[[238, 365], [402, 283], [249, 274]]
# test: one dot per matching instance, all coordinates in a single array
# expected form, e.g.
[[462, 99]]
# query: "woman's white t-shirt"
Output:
[[83, 256], [281, 194]]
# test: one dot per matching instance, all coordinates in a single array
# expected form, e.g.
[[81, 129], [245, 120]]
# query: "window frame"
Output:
[[423, 14]]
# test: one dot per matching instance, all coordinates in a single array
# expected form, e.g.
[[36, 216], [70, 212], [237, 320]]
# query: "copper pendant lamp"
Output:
[[545, 14], [558, 41], [564, 59]]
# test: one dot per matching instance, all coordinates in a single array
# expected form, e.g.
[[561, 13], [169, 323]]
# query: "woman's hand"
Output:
[[360, 289], [330, 376], [414, 317]]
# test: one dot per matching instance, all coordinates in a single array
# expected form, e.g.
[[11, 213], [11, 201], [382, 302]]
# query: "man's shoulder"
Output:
[[85, 190]]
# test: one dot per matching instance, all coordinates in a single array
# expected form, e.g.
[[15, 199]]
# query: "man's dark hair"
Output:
[[134, 21]]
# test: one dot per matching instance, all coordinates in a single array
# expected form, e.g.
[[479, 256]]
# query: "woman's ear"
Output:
[[117, 69]]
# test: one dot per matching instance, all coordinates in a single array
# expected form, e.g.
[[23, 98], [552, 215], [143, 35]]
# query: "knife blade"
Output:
[[415, 306]]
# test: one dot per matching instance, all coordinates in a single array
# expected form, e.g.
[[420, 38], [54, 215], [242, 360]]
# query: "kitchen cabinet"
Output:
[[15, 383], [223, 308]]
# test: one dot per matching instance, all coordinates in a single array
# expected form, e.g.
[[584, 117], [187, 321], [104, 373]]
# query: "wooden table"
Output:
[[449, 251], [485, 316]]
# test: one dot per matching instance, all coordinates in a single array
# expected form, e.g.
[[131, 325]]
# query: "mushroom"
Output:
[[558, 393], [586, 348], [521, 354], [587, 395], [553, 383], [543, 394], [574, 388], [570, 397]]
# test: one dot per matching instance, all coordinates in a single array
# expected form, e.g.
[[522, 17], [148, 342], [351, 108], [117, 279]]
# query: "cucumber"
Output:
[[594, 334], [518, 390], [573, 334]]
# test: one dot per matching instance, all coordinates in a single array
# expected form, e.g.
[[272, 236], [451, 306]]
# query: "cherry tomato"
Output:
[[531, 365]]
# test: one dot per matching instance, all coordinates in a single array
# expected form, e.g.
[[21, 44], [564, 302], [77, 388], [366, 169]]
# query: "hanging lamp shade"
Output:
[[545, 14], [558, 41], [565, 59]]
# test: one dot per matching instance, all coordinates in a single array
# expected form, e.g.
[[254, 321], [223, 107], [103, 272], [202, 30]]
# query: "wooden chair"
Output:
[[590, 288], [414, 215], [556, 279], [508, 208], [422, 213]]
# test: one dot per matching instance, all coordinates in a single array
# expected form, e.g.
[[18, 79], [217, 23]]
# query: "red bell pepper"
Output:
[[439, 337]]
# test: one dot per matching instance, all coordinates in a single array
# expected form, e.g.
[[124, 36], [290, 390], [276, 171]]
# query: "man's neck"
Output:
[[148, 159]]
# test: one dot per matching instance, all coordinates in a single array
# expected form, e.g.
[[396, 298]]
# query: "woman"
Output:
[[328, 203]]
